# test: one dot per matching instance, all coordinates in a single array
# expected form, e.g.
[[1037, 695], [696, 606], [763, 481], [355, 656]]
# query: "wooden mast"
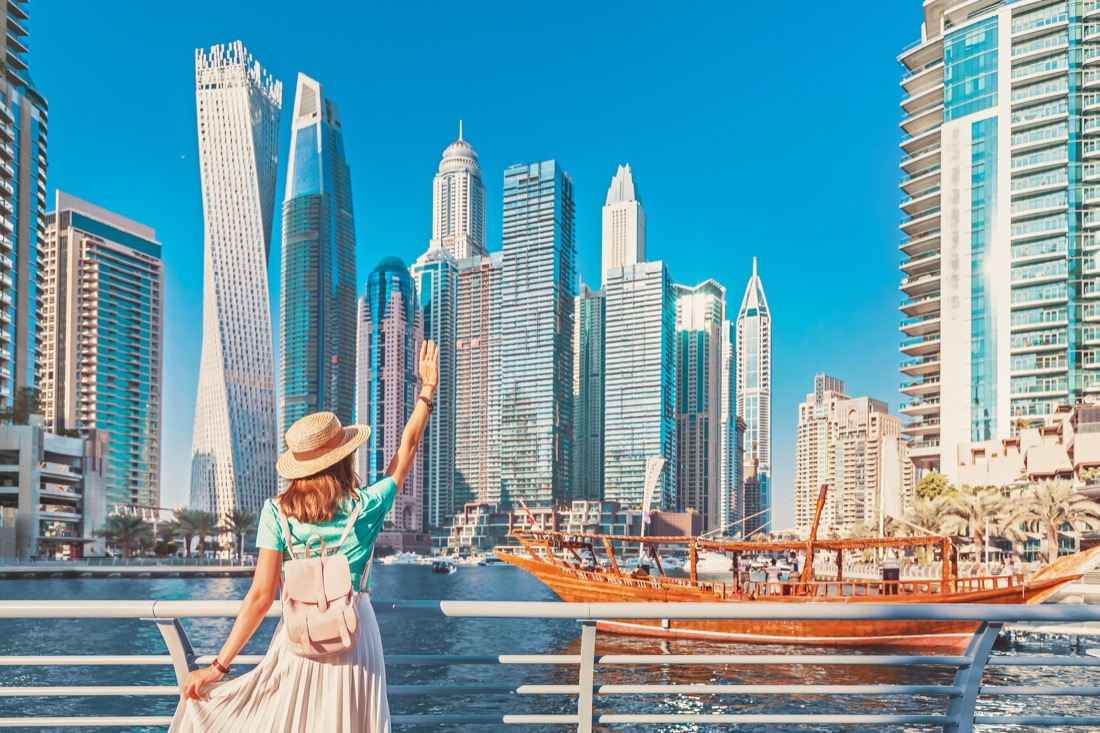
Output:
[[808, 571]]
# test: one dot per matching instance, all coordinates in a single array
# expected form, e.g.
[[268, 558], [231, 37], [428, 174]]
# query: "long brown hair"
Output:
[[316, 498]]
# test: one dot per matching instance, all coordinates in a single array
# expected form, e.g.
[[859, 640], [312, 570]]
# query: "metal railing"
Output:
[[951, 705]]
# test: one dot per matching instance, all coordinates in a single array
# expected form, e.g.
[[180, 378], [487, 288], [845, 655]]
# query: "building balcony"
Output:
[[923, 427], [922, 97], [921, 244], [59, 472], [920, 55], [921, 345], [926, 222], [922, 387], [931, 74], [920, 141], [921, 407], [924, 158], [922, 305], [918, 285], [922, 264], [924, 201], [921, 366], [921, 325], [1037, 343]]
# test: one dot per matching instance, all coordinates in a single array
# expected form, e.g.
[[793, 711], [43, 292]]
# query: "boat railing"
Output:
[[597, 685]]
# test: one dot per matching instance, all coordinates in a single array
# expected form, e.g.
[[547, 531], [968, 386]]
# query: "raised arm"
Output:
[[414, 430]]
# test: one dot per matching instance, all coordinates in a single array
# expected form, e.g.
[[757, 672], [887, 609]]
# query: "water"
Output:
[[469, 636]]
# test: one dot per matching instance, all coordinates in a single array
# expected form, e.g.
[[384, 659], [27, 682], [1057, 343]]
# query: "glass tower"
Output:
[[1000, 219], [391, 329], [23, 200], [700, 312], [458, 202], [754, 400], [588, 396], [534, 394], [639, 382], [102, 341], [234, 445], [317, 362]]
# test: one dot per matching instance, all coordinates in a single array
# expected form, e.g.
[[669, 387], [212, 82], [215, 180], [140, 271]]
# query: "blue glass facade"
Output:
[[970, 70], [983, 334], [317, 369]]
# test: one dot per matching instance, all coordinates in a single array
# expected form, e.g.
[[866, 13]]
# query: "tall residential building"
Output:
[[477, 365], [588, 395], [435, 279], [623, 224], [458, 202], [234, 444], [317, 328], [534, 395], [23, 200], [102, 326], [700, 312], [1000, 217], [732, 450], [391, 330], [855, 446], [754, 401], [639, 383]]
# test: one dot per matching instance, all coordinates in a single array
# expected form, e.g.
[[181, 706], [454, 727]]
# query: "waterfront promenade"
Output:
[[131, 568]]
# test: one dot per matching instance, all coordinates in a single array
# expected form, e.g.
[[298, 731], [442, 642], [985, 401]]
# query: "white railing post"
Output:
[[179, 646], [969, 678], [586, 677]]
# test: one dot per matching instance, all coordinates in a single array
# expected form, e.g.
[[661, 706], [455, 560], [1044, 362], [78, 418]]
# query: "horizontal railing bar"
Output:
[[1042, 720], [89, 660], [749, 659], [98, 722], [854, 719], [397, 720], [88, 691], [454, 659], [483, 689], [994, 690], [884, 690], [1027, 661], [242, 660], [583, 611]]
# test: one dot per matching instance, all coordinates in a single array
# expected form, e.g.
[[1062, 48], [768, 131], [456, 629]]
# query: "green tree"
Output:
[[238, 522], [933, 484], [206, 524], [1052, 504], [927, 515], [971, 509], [126, 530], [27, 402], [186, 522]]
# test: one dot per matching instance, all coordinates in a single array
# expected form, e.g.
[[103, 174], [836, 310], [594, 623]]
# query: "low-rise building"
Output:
[[53, 490]]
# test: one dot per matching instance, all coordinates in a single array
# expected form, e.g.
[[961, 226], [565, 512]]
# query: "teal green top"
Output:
[[377, 500]]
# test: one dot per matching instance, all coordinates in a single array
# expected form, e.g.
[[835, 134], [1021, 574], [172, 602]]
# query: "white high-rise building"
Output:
[[623, 224], [754, 401], [639, 382], [234, 447], [458, 202], [1000, 219]]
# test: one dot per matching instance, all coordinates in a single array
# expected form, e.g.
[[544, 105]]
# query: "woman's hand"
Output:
[[199, 679], [429, 364]]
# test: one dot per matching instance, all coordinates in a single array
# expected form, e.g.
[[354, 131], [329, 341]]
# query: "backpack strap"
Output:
[[366, 572], [348, 525], [286, 530]]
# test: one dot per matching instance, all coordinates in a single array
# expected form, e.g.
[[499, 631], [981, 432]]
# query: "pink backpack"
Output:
[[320, 605]]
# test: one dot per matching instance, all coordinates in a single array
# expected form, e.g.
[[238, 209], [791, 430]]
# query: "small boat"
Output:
[[491, 561], [443, 566], [402, 558], [564, 562]]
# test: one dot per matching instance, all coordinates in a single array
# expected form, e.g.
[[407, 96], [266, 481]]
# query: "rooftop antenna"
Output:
[[753, 259], [460, 137]]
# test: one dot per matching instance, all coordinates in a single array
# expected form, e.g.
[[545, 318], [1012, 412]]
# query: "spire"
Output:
[[460, 129], [753, 259], [622, 187], [754, 303]]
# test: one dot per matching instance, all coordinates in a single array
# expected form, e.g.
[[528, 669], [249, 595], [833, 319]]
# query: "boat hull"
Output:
[[575, 586]]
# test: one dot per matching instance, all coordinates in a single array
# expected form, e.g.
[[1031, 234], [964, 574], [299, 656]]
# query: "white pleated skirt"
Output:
[[286, 693]]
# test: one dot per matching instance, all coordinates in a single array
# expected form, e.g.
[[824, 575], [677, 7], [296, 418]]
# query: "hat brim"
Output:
[[290, 467]]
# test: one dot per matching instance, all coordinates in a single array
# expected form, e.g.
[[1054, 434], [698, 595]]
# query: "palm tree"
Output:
[[126, 530], [925, 516], [206, 523], [971, 508], [186, 523], [1051, 504], [239, 522]]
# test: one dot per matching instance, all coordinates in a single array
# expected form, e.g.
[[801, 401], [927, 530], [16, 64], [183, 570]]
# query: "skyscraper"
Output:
[[391, 329], [102, 340], [435, 278], [534, 395], [700, 312], [23, 193], [238, 119], [999, 218], [732, 501], [458, 202], [588, 408], [477, 367], [317, 360], [754, 401], [639, 382], [623, 224]]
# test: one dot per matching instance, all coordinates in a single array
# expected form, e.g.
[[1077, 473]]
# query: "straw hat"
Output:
[[316, 442]]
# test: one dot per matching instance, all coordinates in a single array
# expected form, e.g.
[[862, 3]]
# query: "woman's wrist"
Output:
[[428, 391]]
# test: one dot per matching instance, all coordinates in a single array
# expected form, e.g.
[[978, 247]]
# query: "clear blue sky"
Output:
[[752, 129]]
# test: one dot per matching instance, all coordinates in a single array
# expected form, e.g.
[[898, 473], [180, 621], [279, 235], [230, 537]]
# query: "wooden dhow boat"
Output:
[[567, 563]]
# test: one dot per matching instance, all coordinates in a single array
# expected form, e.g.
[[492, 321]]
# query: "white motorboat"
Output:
[[402, 558]]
